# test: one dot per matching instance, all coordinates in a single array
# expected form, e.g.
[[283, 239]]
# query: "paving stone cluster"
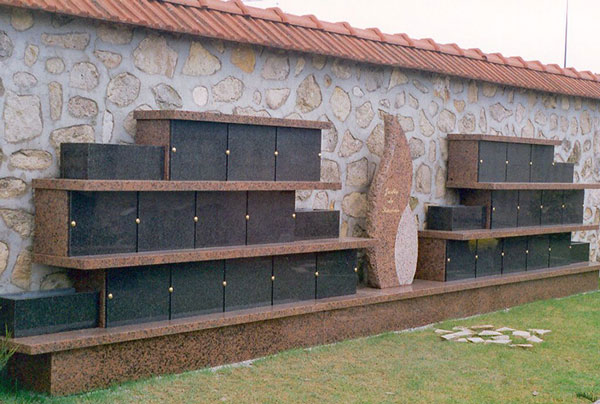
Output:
[[488, 334], [67, 79]]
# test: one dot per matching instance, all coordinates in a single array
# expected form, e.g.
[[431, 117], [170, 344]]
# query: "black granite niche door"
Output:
[[504, 209], [560, 253], [514, 254], [489, 257], [221, 218], [198, 151], [518, 156], [251, 153], [542, 157], [270, 217], [102, 222], [137, 295], [298, 156], [492, 162], [166, 221], [538, 252], [248, 283], [197, 288], [316, 224], [460, 259], [552, 202], [529, 211], [294, 277], [337, 274], [573, 206], [580, 252]]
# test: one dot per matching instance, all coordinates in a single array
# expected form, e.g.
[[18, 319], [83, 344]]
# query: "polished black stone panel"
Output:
[[314, 224], [538, 254], [563, 172], [248, 283], [46, 312], [298, 154], [560, 253], [580, 252], [542, 157], [573, 206], [137, 295], [552, 202], [456, 217], [166, 221], [197, 288], [514, 254], [489, 257], [504, 209], [492, 162], [460, 259], [197, 151], [337, 275], [251, 153], [529, 211], [270, 217], [518, 168], [96, 161], [221, 219], [294, 277], [102, 222]]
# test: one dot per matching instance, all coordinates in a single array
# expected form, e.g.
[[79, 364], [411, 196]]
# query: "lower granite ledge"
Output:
[[365, 296]]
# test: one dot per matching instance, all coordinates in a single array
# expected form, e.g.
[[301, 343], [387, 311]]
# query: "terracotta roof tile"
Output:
[[235, 21]]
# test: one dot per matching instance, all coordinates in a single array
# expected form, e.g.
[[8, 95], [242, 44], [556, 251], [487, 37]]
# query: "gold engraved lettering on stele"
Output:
[[391, 201]]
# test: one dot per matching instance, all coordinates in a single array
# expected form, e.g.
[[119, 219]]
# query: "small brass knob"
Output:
[[476, 256], [518, 207], [570, 247], [531, 163], [553, 163], [272, 277], [73, 223], [448, 259], [494, 209], [196, 219], [502, 253], [276, 153], [293, 215], [247, 217], [549, 248], [110, 296], [171, 289], [563, 205], [137, 220], [224, 283], [227, 152], [526, 251], [317, 273], [506, 161], [319, 154], [541, 206], [481, 161], [355, 269], [173, 149]]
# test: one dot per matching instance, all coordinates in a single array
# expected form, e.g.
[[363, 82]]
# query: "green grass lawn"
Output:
[[408, 367]]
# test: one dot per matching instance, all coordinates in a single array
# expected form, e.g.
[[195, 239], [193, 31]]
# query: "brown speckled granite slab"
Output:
[[240, 119], [92, 262], [505, 139], [51, 234], [498, 233], [142, 185], [463, 162], [155, 133], [431, 261], [89, 359], [387, 200]]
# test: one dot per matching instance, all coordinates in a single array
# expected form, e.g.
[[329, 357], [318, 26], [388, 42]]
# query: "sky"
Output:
[[532, 29]]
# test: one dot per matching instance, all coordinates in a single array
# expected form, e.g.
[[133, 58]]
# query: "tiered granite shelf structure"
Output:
[[518, 209], [138, 343]]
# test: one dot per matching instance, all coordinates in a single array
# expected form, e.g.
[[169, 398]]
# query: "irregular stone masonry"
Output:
[[70, 79], [486, 334]]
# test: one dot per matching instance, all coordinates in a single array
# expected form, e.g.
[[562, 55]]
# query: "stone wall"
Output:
[[67, 79]]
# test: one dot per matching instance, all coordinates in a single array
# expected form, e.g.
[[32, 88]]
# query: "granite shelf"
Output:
[[93, 262], [522, 185], [225, 118], [143, 185], [364, 297], [507, 232], [504, 139]]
